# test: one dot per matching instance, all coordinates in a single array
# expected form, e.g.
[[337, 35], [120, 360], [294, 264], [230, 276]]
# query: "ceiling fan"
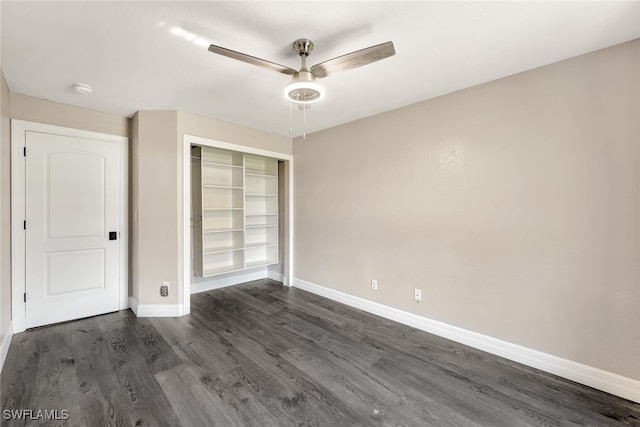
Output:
[[303, 89]]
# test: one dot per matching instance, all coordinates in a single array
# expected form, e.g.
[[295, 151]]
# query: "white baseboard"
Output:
[[133, 305], [4, 345], [218, 282], [155, 310], [593, 377], [275, 275], [231, 279]]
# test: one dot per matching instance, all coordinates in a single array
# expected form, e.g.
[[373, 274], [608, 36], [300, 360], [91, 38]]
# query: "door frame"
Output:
[[19, 128], [188, 140]]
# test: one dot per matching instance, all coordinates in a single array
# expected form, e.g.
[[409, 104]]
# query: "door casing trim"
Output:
[[19, 128]]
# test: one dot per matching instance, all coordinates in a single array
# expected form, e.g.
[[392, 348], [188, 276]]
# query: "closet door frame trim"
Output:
[[190, 140]]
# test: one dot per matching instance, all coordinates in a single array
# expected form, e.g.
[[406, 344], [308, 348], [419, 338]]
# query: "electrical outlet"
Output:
[[374, 284], [417, 294], [164, 289]]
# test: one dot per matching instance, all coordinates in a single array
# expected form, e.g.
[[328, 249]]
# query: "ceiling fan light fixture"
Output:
[[304, 92], [303, 89]]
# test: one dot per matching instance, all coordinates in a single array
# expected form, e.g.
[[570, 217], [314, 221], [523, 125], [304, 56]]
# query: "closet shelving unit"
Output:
[[238, 208], [261, 210]]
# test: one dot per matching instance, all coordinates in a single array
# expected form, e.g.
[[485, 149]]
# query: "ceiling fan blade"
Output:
[[353, 60], [251, 60]]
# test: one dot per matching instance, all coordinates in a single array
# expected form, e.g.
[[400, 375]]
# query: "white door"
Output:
[[72, 238]]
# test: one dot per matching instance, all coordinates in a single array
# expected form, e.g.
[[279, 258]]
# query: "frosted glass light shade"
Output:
[[303, 92]]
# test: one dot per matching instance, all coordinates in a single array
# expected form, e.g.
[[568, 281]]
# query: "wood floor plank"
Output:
[[258, 362], [191, 401], [93, 389], [371, 348], [134, 377], [245, 374], [260, 354], [20, 372]]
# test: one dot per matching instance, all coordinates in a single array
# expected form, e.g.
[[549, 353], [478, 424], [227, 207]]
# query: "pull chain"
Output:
[[304, 122], [290, 118]]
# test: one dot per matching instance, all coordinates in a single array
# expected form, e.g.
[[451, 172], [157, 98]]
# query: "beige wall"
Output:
[[156, 256], [156, 193], [38, 110], [194, 125], [5, 210], [514, 206]]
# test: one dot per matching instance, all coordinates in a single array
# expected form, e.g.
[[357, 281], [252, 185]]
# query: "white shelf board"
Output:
[[225, 187], [221, 250], [260, 245], [221, 230], [226, 165], [258, 173]]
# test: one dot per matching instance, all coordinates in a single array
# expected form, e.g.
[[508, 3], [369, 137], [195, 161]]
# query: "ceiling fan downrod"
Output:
[[303, 47]]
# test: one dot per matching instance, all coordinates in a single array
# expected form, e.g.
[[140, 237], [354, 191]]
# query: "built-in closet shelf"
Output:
[[237, 196], [257, 173], [222, 230], [222, 165], [260, 244], [226, 187], [219, 250], [255, 264], [261, 220]]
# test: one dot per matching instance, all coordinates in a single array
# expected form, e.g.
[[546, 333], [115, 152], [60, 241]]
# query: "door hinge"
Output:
[[25, 297], [24, 151], [24, 224]]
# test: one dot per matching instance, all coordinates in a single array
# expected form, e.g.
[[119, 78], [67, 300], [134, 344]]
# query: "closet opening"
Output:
[[239, 215]]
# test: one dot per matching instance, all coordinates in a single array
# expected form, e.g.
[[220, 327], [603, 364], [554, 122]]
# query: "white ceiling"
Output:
[[127, 51]]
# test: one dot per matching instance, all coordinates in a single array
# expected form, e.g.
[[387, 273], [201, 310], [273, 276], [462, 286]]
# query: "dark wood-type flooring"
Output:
[[260, 354]]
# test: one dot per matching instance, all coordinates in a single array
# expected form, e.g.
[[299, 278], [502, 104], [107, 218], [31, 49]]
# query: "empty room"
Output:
[[347, 213]]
